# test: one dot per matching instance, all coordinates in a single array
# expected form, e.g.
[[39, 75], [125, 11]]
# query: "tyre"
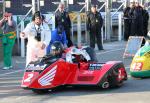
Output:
[[40, 91]]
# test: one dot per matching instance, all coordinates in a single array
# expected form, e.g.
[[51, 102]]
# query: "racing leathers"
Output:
[[75, 51]]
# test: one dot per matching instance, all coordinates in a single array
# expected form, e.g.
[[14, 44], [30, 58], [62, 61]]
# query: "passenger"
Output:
[[58, 35]]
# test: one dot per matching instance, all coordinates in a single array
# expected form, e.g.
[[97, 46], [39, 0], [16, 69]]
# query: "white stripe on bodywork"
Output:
[[48, 77]]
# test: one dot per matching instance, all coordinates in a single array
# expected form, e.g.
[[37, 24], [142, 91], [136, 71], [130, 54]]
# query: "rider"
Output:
[[57, 49]]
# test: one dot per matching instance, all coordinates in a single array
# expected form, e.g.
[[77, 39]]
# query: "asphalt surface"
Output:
[[133, 90]]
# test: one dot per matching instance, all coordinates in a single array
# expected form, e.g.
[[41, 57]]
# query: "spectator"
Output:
[[145, 20], [38, 37], [136, 14], [8, 26], [94, 25], [58, 35], [62, 18], [127, 23]]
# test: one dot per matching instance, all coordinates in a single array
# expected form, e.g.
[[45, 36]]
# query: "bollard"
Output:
[[102, 37], [119, 27], [22, 41], [79, 29], [72, 30]]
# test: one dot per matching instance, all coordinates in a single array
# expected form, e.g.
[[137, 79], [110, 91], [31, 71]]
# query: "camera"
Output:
[[38, 37]]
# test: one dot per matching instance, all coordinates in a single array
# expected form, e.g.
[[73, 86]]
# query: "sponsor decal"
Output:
[[95, 66], [36, 67], [88, 72], [48, 77], [28, 77], [137, 66]]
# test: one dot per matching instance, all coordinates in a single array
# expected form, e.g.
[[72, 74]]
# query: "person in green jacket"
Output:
[[8, 26]]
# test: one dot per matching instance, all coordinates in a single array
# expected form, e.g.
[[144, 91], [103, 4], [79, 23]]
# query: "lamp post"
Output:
[[4, 5], [33, 6], [108, 19], [88, 2]]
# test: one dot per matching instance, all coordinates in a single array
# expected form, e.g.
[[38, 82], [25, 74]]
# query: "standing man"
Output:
[[145, 20], [137, 20], [8, 26], [127, 23], [94, 25], [62, 18], [132, 17], [38, 37]]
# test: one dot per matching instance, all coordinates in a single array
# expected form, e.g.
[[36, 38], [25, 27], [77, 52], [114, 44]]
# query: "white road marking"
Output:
[[110, 51], [10, 81], [11, 72], [9, 78], [20, 62], [127, 67], [10, 86]]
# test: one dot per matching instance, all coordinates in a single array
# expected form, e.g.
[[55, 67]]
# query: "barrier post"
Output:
[[79, 29], [119, 27], [22, 41], [72, 30], [102, 37]]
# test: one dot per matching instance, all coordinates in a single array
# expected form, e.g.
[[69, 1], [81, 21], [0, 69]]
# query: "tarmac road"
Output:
[[133, 90]]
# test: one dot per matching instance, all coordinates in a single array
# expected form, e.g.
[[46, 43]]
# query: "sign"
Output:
[[73, 17], [70, 1], [133, 45]]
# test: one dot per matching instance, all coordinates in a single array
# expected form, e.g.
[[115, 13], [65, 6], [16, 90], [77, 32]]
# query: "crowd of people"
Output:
[[135, 20], [40, 38]]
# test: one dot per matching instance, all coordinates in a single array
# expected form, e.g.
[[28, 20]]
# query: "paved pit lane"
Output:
[[133, 90]]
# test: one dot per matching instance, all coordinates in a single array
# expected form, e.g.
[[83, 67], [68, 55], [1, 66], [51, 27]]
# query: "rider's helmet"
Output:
[[57, 48]]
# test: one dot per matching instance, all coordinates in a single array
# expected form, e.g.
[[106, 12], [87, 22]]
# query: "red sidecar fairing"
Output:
[[64, 73]]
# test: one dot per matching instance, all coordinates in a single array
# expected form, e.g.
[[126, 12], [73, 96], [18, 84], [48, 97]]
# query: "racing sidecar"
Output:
[[140, 66], [50, 72]]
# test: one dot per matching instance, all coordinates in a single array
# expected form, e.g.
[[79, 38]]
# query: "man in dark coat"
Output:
[[127, 23], [94, 25], [145, 21], [136, 14], [62, 18]]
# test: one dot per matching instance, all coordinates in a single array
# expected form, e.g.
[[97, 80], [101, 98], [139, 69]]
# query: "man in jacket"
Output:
[[94, 25], [127, 23], [136, 14], [62, 18]]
